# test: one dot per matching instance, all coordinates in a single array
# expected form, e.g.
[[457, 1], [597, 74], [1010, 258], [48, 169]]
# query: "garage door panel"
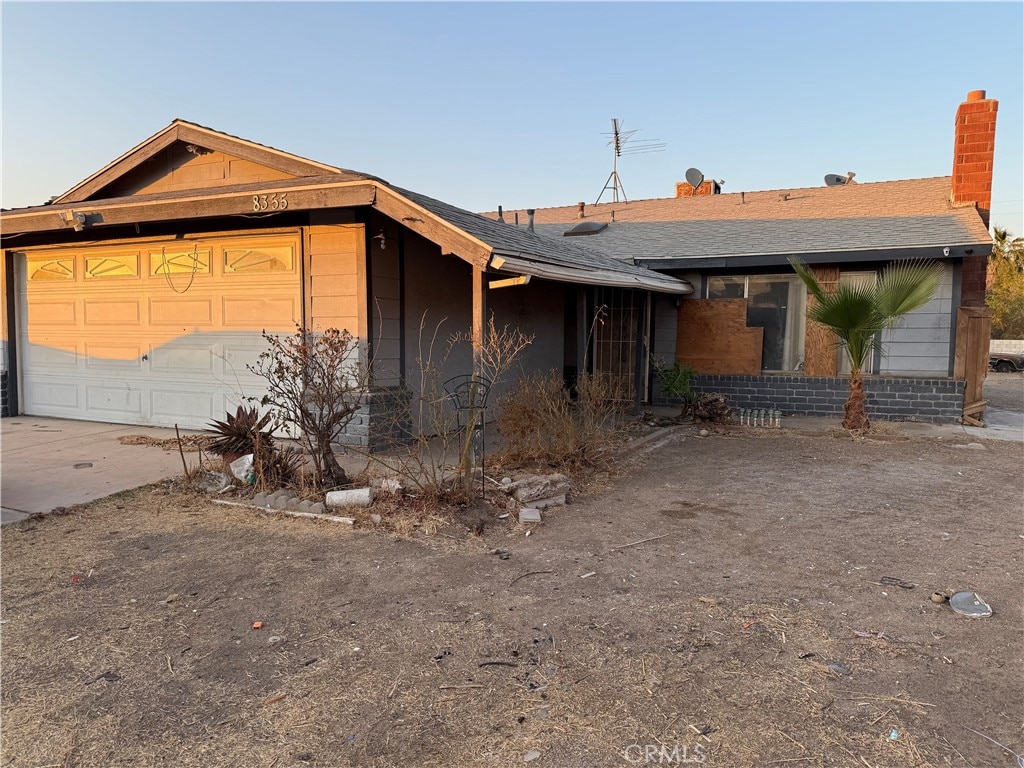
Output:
[[179, 406], [50, 397], [183, 358], [43, 357], [53, 313], [113, 400], [112, 312], [102, 356], [254, 312], [188, 313]]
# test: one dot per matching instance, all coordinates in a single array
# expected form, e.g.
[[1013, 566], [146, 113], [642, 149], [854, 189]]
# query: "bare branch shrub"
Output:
[[430, 451], [316, 384]]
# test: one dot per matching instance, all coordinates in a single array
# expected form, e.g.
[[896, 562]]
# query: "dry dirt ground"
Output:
[[128, 641]]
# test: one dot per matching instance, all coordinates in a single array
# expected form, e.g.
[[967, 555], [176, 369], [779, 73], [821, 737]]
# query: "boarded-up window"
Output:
[[776, 303]]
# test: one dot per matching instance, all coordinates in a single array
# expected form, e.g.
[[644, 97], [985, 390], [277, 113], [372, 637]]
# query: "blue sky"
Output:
[[482, 104]]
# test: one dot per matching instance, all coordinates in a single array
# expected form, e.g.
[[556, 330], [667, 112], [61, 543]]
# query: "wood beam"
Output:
[[234, 203], [124, 164], [247, 150], [479, 317], [433, 228]]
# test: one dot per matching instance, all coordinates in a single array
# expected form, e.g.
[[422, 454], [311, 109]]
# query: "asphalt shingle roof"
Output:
[[880, 215], [512, 240]]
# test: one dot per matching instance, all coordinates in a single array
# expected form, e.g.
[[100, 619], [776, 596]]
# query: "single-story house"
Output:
[[140, 295], [744, 327]]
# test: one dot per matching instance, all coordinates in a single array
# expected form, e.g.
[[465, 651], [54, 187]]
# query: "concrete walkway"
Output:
[[47, 463]]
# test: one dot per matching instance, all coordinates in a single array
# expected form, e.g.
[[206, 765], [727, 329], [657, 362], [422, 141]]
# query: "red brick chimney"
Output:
[[973, 149], [707, 187]]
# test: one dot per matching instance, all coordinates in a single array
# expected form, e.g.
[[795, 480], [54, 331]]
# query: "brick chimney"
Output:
[[707, 187], [973, 151]]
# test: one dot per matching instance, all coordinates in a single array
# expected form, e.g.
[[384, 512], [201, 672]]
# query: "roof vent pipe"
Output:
[[529, 219], [500, 217], [517, 218], [581, 214]]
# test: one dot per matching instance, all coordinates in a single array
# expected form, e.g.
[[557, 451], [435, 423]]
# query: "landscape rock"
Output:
[[531, 487], [530, 515], [353, 497]]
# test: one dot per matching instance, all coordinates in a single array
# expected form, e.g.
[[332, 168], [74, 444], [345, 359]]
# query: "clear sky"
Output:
[[481, 104]]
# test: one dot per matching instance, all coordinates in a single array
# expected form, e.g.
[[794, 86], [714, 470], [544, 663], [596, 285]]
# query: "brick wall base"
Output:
[[938, 401], [382, 421]]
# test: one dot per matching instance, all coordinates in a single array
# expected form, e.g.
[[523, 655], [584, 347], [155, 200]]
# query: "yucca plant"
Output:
[[858, 314], [242, 433]]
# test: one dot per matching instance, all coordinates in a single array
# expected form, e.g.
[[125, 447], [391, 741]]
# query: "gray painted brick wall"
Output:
[[938, 401]]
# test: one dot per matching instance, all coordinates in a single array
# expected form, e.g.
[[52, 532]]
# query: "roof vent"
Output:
[[586, 228]]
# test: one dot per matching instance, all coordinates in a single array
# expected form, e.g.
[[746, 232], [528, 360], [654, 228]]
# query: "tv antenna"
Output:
[[619, 141]]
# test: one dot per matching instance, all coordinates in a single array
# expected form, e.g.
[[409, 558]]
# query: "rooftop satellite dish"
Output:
[[694, 177], [835, 180]]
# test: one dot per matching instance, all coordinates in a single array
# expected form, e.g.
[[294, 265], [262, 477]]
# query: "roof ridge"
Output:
[[726, 195]]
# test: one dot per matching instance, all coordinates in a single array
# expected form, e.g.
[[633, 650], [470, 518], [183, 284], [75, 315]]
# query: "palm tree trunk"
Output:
[[855, 417]]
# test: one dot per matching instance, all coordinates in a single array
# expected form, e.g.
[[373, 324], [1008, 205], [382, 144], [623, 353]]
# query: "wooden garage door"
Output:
[[154, 333]]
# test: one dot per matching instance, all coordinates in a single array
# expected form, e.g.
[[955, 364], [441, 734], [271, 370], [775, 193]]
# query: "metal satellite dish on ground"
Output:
[[694, 178]]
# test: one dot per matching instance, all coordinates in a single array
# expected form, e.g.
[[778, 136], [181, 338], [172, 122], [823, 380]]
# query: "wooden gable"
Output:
[[187, 156], [188, 166]]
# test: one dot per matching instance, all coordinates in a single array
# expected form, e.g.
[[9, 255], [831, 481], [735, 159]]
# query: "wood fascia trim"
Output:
[[247, 150], [346, 194], [127, 162], [433, 227]]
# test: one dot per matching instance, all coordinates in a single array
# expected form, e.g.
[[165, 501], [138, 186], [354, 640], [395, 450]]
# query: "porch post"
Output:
[[582, 330], [479, 317]]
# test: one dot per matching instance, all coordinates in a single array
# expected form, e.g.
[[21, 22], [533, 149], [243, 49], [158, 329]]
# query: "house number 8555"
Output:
[[273, 202]]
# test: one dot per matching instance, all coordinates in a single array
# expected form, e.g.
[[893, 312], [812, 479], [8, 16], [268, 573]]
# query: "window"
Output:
[[776, 303], [180, 262], [51, 269], [112, 266], [273, 258]]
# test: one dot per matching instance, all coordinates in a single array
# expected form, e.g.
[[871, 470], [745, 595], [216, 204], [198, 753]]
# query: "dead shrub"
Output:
[[544, 425]]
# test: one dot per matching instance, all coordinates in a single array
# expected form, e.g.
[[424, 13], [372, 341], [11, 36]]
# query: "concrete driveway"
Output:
[[48, 463]]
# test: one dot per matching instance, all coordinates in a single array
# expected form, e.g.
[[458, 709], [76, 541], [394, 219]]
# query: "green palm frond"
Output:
[[905, 286], [857, 314]]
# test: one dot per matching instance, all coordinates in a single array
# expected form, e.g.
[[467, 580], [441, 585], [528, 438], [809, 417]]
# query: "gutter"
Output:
[[739, 261], [589, 276]]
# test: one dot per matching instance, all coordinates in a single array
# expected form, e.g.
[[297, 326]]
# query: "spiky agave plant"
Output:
[[242, 433], [858, 314]]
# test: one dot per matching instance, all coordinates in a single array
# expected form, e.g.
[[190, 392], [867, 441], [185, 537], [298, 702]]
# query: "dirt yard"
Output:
[[128, 641]]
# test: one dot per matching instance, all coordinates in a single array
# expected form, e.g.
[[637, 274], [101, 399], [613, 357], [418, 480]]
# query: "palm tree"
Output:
[[1007, 247], [857, 314]]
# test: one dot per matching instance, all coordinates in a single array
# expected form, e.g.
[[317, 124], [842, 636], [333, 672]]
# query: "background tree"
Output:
[[1005, 285], [858, 314]]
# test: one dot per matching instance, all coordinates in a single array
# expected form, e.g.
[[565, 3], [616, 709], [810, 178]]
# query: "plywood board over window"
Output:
[[713, 337]]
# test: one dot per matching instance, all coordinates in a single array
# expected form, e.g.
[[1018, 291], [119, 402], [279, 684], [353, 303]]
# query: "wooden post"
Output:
[[582, 331], [479, 316], [970, 363]]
